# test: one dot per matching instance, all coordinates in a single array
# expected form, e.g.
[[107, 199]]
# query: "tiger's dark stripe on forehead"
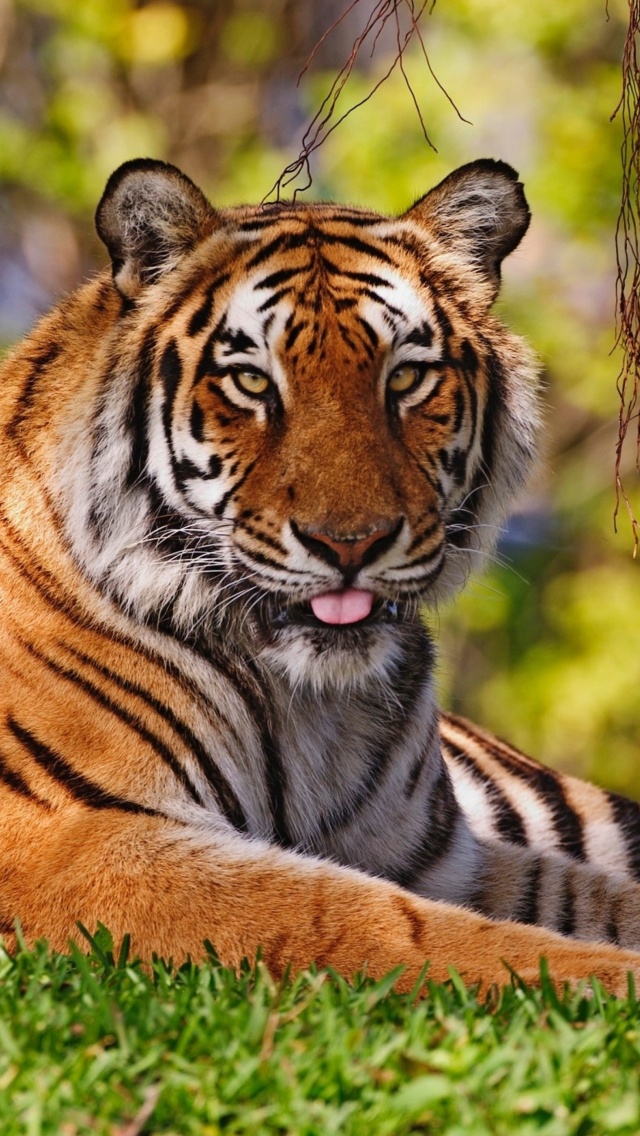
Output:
[[279, 214], [281, 276], [275, 299], [355, 244], [283, 242], [202, 314], [236, 340], [422, 336]]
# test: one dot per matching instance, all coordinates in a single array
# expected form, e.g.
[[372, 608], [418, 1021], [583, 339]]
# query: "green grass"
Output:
[[89, 1045]]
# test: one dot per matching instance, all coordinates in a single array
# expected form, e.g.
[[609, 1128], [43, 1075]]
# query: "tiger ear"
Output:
[[150, 214], [478, 212]]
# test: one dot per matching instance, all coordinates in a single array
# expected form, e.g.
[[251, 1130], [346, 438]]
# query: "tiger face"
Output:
[[320, 426]]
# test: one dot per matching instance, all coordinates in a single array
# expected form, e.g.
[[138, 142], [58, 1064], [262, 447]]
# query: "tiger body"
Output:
[[233, 471]]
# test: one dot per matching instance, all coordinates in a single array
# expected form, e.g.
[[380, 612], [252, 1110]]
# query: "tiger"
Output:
[[239, 464]]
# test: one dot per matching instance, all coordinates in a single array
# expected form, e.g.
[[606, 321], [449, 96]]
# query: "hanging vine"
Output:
[[628, 261], [404, 17]]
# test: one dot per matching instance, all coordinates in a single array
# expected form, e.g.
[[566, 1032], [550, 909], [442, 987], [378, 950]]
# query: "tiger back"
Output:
[[234, 469]]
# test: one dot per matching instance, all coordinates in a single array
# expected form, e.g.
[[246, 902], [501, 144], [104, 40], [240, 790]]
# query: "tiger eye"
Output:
[[252, 382], [404, 378]]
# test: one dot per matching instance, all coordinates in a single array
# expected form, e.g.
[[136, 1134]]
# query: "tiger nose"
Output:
[[347, 552]]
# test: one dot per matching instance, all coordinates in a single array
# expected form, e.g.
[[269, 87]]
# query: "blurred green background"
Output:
[[545, 648]]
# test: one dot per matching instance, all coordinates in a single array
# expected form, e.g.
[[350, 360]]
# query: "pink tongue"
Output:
[[348, 606]]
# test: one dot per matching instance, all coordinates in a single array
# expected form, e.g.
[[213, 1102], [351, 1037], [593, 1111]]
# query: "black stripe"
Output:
[[214, 388], [281, 276], [123, 715], [35, 575], [282, 243], [566, 821], [136, 423], [276, 786], [369, 278], [491, 429], [222, 503], [428, 531], [418, 766], [567, 914], [422, 336], [454, 463], [292, 335], [196, 421], [171, 376], [236, 340], [387, 309], [437, 836], [263, 223], [407, 690], [426, 557], [80, 787], [548, 786], [185, 470], [508, 822], [227, 800], [262, 537], [444, 323], [345, 215], [626, 814], [356, 244], [434, 391], [243, 677], [13, 780], [254, 557], [613, 929], [527, 907], [39, 362], [468, 359], [274, 299], [347, 338], [202, 315], [471, 387], [460, 407]]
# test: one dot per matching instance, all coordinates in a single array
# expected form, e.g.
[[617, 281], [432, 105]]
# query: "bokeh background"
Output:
[[545, 648]]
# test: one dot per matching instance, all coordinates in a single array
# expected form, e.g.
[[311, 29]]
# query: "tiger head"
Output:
[[313, 424]]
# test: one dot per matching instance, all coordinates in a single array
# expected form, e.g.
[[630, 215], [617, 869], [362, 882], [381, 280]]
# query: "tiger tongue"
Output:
[[348, 606]]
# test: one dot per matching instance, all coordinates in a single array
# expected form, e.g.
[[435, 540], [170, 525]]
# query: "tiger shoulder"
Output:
[[236, 467]]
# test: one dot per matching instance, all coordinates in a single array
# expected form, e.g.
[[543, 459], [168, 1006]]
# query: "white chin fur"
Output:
[[298, 657]]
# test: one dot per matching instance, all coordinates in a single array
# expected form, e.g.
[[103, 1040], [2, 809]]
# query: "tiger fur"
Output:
[[234, 468]]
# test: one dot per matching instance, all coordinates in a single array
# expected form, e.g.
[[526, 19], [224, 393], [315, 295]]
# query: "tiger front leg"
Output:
[[171, 887]]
